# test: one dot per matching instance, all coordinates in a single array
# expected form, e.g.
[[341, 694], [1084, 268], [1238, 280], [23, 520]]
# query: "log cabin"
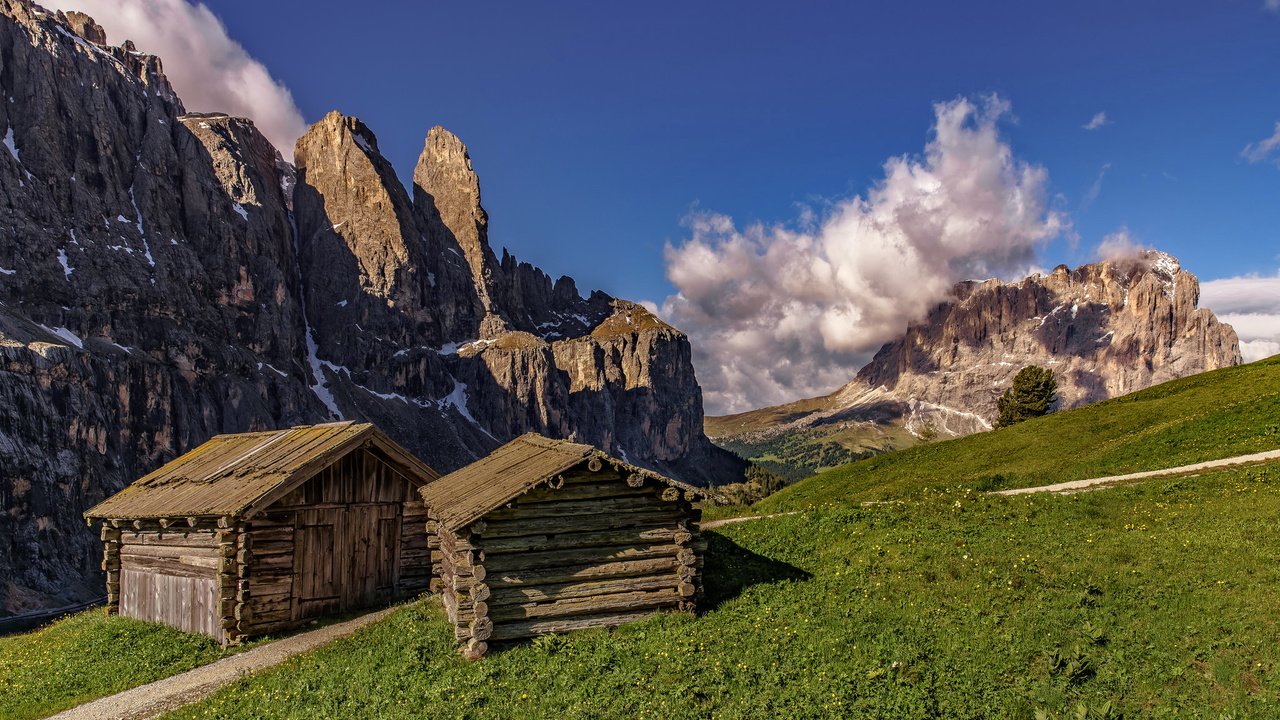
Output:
[[259, 532], [548, 536]]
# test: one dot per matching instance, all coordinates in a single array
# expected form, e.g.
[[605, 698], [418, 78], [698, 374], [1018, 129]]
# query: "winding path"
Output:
[[710, 524], [154, 699], [1093, 483]]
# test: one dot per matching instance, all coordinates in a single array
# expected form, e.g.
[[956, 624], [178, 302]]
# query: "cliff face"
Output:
[[166, 276], [1105, 329]]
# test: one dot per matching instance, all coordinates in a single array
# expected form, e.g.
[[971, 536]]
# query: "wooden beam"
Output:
[[542, 626], [590, 605]]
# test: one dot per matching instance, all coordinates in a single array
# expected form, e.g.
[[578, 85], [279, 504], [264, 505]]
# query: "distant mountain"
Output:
[[1105, 329], [166, 276]]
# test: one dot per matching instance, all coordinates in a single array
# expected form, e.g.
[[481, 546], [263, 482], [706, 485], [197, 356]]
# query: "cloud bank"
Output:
[[778, 312], [1251, 304], [1262, 150], [210, 71], [1120, 245], [1100, 119]]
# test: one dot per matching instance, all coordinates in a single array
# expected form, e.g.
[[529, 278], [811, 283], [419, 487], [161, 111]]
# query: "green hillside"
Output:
[[88, 655], [1154, 600], [1234, 411], [763, 436]]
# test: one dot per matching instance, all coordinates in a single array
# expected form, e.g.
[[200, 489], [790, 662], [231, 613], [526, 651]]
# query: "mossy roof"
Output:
[[238, 475], [468, 494]]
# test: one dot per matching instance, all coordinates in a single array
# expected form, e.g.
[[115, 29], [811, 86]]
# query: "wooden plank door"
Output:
[[346, 558], [317, 576], [389, 553]]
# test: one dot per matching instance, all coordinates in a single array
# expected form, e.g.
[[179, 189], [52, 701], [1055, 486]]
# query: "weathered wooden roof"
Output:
[[464, 496], [237, 475]]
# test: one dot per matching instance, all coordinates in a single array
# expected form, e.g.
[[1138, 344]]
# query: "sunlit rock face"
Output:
[[1105, 329]]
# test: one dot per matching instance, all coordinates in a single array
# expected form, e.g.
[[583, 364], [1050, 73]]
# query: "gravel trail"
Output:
[[1092, 483]]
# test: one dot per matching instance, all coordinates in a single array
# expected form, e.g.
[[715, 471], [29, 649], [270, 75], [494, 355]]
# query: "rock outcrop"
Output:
[[1105, 329], [165, 276]]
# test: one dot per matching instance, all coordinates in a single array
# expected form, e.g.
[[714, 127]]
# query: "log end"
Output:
[[475, 649], [481, 629]]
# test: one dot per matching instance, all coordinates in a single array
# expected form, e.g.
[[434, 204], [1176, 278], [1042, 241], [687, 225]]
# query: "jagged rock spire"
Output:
[[447, 195]]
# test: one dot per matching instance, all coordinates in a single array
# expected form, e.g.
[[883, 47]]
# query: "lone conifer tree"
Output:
[[1033, 392]]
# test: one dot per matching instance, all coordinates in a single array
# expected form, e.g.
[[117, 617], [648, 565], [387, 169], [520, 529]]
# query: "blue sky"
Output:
[[596, 130], [681, 153]]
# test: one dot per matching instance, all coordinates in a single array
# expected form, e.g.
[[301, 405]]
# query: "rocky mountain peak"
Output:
[[84, 26], [352, 211], [1106, 328], [447, 195]]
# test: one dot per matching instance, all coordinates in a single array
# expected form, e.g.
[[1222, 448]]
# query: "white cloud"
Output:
[[210, 71], [1251, 304], [1096, 188], [1263, 149], [1272, 5], [1100, 119], [778, 313], [1120, 245]]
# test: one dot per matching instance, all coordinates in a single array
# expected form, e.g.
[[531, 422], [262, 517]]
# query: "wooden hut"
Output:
[[547, 536], [258, 532]]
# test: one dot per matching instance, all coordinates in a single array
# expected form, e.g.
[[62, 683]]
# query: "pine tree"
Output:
[[1033, 393]]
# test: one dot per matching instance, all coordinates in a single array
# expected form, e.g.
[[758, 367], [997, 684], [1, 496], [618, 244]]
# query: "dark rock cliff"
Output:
[[165, 277]]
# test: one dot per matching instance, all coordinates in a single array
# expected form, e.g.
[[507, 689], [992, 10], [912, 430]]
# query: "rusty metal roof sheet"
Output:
[[236, 475], [464, 496]]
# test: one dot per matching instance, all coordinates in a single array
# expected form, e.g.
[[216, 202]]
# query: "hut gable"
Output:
[[546, 536], [258, 532]]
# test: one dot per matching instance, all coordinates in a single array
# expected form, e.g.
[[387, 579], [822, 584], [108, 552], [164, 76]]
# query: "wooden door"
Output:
[[317, 582], [346, 558]]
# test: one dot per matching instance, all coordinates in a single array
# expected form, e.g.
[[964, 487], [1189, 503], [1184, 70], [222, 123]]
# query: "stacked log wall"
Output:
[[269, 588], [233, 569], [587, 549], [111, 566], [416, 551]]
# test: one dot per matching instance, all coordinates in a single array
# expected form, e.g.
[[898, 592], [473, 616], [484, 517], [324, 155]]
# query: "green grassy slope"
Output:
[[1213, 415], [1158, 600], [87, 656], [798, 453]]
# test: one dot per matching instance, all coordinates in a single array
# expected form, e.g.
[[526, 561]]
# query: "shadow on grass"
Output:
[[731, 568]]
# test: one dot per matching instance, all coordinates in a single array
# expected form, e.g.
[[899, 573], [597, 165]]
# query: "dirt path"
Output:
[[1094, 483], [161, 696], [712, 524]]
